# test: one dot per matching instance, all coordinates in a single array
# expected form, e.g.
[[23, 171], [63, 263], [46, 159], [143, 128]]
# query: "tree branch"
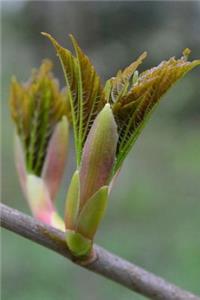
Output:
[[105, 263]]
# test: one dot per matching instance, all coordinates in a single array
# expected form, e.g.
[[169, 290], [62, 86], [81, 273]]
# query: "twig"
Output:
[[106, 263]]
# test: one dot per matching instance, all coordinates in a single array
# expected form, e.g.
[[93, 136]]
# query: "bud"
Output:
[[39, 112], [98, 154], [88, 192], [101, 144]]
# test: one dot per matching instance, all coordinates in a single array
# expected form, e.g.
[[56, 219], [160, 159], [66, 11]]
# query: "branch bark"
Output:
[[105, 263]]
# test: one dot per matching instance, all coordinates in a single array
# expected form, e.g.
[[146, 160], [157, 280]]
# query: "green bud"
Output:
[[78, 244], [92, 213], [88, 191], [98, 155]]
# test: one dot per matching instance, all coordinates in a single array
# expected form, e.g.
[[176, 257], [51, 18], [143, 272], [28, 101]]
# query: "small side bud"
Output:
[[77, 243], [92, 213]]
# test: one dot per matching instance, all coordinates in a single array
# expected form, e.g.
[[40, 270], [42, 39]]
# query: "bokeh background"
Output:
[[153, 217]]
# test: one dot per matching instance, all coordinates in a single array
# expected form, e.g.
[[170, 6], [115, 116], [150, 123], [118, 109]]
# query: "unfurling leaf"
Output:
[[132, 110], [106, 123], [84, 91], [39, 110], [36, 108], [118, 86]]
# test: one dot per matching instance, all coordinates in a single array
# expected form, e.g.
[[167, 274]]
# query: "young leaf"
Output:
[[84, 90], [36, 107], [70, 69], [133, 109], [118, 86]]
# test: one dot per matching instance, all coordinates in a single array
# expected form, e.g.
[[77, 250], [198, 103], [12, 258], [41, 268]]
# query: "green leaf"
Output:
[[72, 202], [132, 111], [92, 213], [70, 69], [84, 90]]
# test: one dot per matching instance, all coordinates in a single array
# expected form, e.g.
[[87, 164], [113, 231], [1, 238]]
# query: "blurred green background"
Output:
[[153, 217]]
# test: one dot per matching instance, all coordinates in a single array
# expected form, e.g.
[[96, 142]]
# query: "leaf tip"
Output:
[[186, 52], [144, 55], [45, 34], [54, 42], [74, 42], [71, 36], [107, 106]]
